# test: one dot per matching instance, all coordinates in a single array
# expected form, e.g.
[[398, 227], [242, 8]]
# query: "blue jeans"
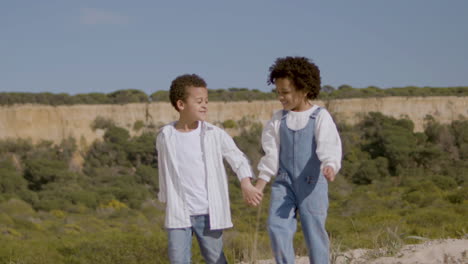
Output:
[[210, 242], [282, 222]]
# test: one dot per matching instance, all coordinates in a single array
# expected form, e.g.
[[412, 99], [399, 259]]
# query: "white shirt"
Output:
[[192, 170], [216, 145], [326, 135]]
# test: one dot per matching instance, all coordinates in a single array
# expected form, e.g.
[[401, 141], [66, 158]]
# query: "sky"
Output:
[[85, 46]]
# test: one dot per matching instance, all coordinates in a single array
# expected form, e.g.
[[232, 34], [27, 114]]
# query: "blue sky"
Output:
[[102, 46]]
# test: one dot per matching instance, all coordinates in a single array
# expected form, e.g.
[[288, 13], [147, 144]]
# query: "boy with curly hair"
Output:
[[303, 150], [192, 177]]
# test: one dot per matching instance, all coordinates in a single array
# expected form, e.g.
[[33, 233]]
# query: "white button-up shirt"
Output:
[[216, 145]]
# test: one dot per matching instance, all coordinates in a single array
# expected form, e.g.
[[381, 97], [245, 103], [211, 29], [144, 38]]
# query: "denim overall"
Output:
[[299, 187]]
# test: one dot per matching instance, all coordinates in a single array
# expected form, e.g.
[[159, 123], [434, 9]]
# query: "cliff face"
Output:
[[444, 109], [55, 123]]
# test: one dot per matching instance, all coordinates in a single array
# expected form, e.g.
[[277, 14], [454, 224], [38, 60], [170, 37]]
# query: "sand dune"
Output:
[[448, 251]]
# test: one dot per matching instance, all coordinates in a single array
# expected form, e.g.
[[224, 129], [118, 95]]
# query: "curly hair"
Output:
[[303, 73], [178, 89]]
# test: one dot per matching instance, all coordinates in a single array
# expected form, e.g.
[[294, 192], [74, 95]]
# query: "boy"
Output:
[[192, 178], [303, 150]]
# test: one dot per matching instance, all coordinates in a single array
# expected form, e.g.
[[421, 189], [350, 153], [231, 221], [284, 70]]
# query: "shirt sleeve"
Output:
[[235, 157], [268, 165], [161, 149], [328, 141]]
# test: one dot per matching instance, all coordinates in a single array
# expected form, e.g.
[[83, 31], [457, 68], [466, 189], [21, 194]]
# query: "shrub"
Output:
[[229, 124], [102, 123], [117, 247], [138, 125]]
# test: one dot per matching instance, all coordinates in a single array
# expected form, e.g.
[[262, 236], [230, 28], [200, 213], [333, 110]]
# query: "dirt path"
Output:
[[448, 251]]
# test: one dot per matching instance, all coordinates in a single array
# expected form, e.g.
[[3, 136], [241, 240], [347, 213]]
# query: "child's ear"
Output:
[[180, 105]]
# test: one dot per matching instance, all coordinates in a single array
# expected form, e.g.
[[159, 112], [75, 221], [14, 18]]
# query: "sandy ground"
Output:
[[449, 251]]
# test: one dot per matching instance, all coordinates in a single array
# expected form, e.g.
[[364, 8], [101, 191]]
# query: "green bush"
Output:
[[40, 171], [231, 94], [432, 223], [138, 125], [128, 96], [11, 181], [230, 124], [16, 207], [111, 247], [102, 123]]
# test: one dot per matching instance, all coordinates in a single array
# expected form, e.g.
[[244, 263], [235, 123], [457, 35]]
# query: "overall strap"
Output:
[[315, 113], [284, 113]]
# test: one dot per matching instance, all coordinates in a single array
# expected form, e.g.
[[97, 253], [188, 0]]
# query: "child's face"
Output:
[[291, 98], [195, 106]]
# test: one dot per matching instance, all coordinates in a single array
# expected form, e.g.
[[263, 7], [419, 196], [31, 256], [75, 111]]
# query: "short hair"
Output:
[[303, 73], [178, 89]]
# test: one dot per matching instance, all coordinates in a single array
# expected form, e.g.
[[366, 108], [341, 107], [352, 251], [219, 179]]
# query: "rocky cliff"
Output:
[[55, 123]]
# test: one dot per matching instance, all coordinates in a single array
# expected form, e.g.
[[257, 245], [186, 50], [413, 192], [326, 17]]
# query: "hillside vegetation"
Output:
[[395, 187], [226, 95]]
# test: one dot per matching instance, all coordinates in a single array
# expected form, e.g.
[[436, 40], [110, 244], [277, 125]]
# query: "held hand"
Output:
[[329, 173], [252, 195]]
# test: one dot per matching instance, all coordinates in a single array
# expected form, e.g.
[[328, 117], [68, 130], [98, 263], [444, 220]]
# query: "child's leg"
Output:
[[313, 213], [180, 245], [282, 222], [210, 241]]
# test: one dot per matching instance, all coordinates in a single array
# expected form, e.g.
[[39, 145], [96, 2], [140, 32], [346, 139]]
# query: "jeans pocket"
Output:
[[282, 176], [317, 201]]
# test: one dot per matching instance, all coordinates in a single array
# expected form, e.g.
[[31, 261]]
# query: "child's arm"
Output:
[[260, 185], [328, 145], [268, 165], [241, 166], [160, 148]]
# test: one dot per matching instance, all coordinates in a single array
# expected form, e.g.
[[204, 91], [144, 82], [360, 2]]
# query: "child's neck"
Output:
[[184, 125], [302, 107]]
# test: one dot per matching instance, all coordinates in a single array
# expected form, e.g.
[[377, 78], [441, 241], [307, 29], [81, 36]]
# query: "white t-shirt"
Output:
[[192, 170], [299, 120]]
